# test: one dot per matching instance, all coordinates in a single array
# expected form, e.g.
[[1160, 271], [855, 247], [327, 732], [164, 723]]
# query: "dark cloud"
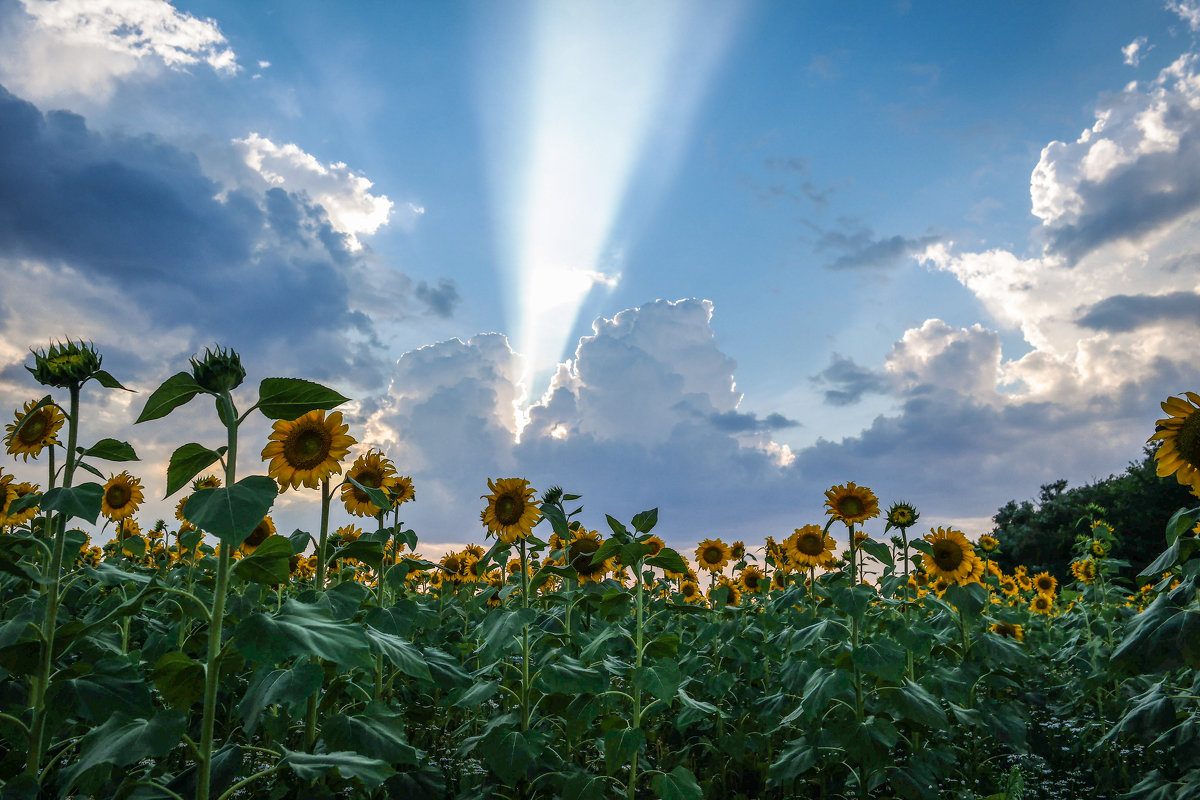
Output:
[[790, 179], [1126, 312], [442, 300], [737, 422], [862, 250], [850, 381]]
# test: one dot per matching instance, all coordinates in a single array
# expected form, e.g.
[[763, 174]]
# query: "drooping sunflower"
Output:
[[901, 515], [580, 554], [39, 431], [374, 471], [952, 557], [988, 543], [511, 511], [1045, 583], [307, 450], [851, 503], [1042, 604], [809, 546], [1009, 629], [122, 496], [21, 517], [1179, 454], [752, 580], [712, 555]]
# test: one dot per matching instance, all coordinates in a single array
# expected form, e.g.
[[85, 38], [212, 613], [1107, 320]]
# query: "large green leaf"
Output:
[[797, 759], [501, 629], [179, 678], [300, 629], [570, 677], [121, 740], [187, 462], [232, 512], [268, 564], [882, 658], [97, 691], [292, 398], [174, 392], [661, 678], [111, 450], [678, 784], [509, 754], [669, 560], [644, 521], [619, 746], [400, 652], [912, 702], [287, 687], [83, 501], [312, 766], [378, 732]]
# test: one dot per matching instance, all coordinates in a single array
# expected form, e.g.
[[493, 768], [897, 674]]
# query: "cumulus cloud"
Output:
[[850, 381], [1134, 51], [862, 249], [1123, 312], [54, 48]]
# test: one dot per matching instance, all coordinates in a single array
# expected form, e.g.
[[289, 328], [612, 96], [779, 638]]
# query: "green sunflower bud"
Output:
[[63, 365], [219, 371]]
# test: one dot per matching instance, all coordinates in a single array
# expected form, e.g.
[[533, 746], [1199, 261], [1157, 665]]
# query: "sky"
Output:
[[711, 257]]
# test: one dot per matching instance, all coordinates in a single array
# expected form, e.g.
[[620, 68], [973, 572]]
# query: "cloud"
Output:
[[440, 300], [344, 195], [851, 381], [1123, 312], [56, 48], [1188, 11], [1134, 51], [862, 250]]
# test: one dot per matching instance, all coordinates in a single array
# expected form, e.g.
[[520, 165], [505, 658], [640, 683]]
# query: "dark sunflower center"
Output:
[[579, 556], [811, 544], [308, 447], [451, 564], [509, 509], [1044, 585], [947, 554], [689, 590], [35, 429], [1188, 440], [117, 495], [369, 478], [752, 582], [712, 555], [259, 534], [850, 506], [654, 546]]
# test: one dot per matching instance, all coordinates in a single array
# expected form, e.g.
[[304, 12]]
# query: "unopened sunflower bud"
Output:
[[219, 371], [63, 365]]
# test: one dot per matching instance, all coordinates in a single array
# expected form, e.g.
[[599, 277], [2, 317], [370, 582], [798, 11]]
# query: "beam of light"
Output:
[[587, 110]]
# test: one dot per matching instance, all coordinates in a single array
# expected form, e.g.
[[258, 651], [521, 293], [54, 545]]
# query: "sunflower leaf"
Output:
[[644, 521], [81, 501], [268, 564], [232, 512], [669, 560], [378, 497], [618, 528], [107, 380], [83, 465], [179, 678], [111, 450], [1181, 522], [370, 771], [292, 398], [174, 392], [121, 740], [678, 784], [187, 462]]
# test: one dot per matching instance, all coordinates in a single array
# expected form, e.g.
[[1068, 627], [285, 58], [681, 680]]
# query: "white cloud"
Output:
[[74, 47], [1188, 11], [1134, 51], [344, 194]]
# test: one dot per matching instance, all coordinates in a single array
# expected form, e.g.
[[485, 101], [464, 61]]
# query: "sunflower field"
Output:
[[213, 656]]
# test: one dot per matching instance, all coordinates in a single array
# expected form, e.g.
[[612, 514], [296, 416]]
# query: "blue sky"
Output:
[[713, 257]]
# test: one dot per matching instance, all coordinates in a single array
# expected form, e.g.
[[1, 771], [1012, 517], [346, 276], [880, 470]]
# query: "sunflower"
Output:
[[580, 554], [264, 529], [403, 490], [1011, 630], [122, 496], [474, 550], [39, 430], [1023, 581], [775, 552], [1179, 454], [712, 555], [851, 503], [737, 551], [307, 450], [809, 547], [952, 556], [511, 511], [690, 592], [1099, 549], [1045, 583], [733, 595], [8, 493], [349, 533], [753, 580], [780, 579], [901, 515], [655, 544], [988, 543], [1084, 571], [1042, 604], [21, 517], [374, 471]]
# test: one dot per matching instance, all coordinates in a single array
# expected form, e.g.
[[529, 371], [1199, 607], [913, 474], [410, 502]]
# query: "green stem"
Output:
[[319, 578], [379, 600], [638, 647]]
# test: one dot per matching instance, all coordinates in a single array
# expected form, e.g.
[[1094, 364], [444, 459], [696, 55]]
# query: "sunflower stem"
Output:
[[379, 600], [639, 647], [319, 578], [51, 594]]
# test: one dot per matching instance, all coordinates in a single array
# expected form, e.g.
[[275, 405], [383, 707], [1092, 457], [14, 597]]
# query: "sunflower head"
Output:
[[1084, 571], [753, 580], [809, 546], [1179, 453], [402, 491], [780, 579], [122, 496], [8, 493], [1045, 583], [1042, 604], [307, 450], [851, 503], [901, 515], [732, 594], [219, 370], [19, 490], [951, 556], [737, 551], [374, 471], [511, 511], [63, 365], [655, 544], [690, 591], [34, 428], [581, 553], [712, 555], [1010, 630], [988, 543], [1099, 548]]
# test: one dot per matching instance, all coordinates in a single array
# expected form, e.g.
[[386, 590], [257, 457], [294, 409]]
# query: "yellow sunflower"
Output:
[[39, 431], [8, 493], [580, 553], [1009, 586], [1084, 571], [122, 496], [753, 580], [952, 558], [732, 598], [690, 592], [988, 543], [1045, 583], [737, 551], [713, 554], [775, 552], [901, 515], [655, 544], [374, 471], [851, 504], [1011, 630], [511, 511], [403, 491], [1099, 548], [265, 528], [780, 579], [1024, 581], [307, 450], [1042, 604], [809, 547], [21, 517], [349, 533], [1179, 454]]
